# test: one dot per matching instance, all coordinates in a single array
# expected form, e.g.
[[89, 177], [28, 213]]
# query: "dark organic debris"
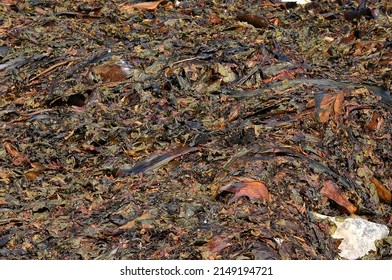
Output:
[[156, 161], [192, 129]]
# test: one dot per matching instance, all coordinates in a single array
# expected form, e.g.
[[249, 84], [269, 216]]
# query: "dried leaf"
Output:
[[375, 123], [3, 202], [37, 169], [214, 19], [332, 191], [254, 190], [234, 113], [18, 158], [217, 244], [338, 104], [255, 20], [142, 6], [212, 249], [285, 74], [145, 216], [32, 174], [326, 103], [37, 166], [383, 193], [11, 150], [4, 176], [113, 71], [156, 161]]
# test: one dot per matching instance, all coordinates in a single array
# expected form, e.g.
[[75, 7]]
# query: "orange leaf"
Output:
[[142, 6], [18, 158], [374, 124], [37, 166], [338, 104], [332, 191], [326, 103], [3, 202], [324, 106], [383, 193], [32, 173], [276, 21], [11, 149], [35, 171], [254, 190]]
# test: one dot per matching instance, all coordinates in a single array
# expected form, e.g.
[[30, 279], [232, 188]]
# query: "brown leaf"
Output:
[[163, 252], [11, 150], [375, 123], [284, 75], [110, 72], [323, 107], [383, 193], [234, 112], [142, 6], [255, 20], [54, 165], [145, 216], [35, 171], [338, 104], [37, 165], [254, 190], [3, 202], [348, 39], [214, 19], [212, 249], [4, 175], [326, 103], [18, 158], [32, 174], [217, 244], [332, 191]]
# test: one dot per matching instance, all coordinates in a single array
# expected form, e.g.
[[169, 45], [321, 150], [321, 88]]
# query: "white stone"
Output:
[[358, 235]]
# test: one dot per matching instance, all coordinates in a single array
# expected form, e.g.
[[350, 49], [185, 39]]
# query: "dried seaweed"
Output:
[[192, 129]]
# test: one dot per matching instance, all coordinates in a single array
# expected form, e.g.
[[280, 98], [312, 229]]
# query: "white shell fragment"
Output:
[[358, 236]]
